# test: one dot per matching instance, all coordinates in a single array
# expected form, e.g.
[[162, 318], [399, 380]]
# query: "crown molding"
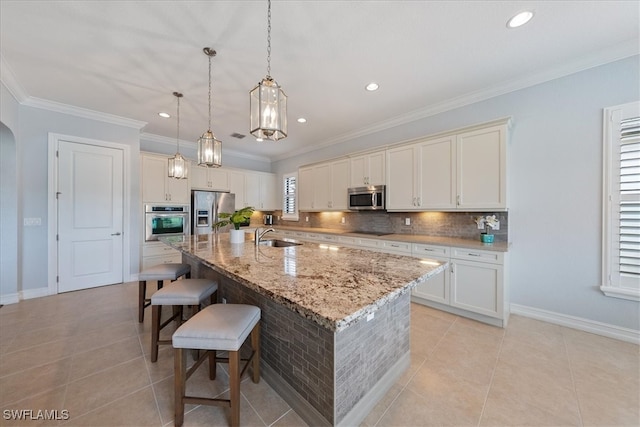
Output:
[[612, 54], [85, 113], [190, 144], [8, 78]]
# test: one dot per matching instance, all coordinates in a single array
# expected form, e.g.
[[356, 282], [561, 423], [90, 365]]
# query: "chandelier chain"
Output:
[[269, 39], [209, 93], [178, 117]]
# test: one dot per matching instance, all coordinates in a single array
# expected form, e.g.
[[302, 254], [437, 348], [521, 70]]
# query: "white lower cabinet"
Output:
[[437, 288], [473, 285], [477, 287], [154, 253]]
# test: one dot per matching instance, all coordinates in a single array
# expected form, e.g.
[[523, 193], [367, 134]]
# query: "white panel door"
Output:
[[90, 216]]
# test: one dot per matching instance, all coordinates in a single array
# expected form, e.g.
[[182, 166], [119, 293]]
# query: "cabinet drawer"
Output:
[[369, 243], [396, 247], [421, 250], [477, 255], [158, 249], [346, 240], [327, 238]]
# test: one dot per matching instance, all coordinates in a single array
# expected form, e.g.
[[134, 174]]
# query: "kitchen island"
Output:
[[335, 321]]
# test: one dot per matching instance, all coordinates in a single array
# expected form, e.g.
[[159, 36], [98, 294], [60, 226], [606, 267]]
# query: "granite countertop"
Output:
[[333, 286], [411, 238]]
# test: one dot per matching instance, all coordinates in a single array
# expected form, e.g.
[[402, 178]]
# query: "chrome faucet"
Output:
[[259, 234]]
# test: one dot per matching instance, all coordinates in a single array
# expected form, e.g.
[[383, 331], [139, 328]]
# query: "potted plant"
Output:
[[236, 218]]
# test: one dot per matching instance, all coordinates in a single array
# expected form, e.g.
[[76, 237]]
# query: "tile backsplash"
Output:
[[447, 224]]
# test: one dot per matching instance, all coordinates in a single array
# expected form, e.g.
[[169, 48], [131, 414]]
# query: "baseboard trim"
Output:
[[592, 326], [35, 293], [9, 298]]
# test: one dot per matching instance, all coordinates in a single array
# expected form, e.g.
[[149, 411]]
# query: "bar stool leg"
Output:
[[142, 292], [212, 364], [234, 386], [180, 367], [255, 345], [156, 312]]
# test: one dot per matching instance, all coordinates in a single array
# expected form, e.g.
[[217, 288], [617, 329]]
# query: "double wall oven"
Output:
[[163, 220]]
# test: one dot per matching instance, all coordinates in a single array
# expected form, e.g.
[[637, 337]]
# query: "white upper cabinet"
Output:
[[212, 179], [323, 187], [256, 189], [464, 171], [236, 186], [402, 178], [437, 174], [306, 191], [482, 168], [339, 184], [367, 169], [157, 187]]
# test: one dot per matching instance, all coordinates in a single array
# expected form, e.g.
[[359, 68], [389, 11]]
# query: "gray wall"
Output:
[[555, 174], [35, 126]]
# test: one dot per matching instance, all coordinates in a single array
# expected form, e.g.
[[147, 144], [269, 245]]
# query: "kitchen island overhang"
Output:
[[335, 325]]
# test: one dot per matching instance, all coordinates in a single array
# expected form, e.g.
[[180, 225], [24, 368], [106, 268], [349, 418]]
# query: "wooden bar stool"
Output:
[[159, 273], [190, 292], [223, 327]]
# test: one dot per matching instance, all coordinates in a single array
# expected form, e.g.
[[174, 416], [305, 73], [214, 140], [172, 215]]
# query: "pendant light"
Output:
[[177, 163], [209, 148], [268, 101]]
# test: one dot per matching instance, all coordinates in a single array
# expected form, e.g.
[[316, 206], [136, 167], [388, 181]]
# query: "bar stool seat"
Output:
[[223, 327], [190, 292], [159, 273]]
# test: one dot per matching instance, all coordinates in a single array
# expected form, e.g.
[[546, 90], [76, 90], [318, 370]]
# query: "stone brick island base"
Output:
[[328, 377]]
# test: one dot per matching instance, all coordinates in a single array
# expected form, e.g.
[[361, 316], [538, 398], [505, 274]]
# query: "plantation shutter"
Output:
[[621, 209], [289, 208], [629, 203]]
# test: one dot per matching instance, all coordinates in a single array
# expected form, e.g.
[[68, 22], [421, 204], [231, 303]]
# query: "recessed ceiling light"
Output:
[[302, 120], [164, 115], [371, 87], [520, 19], [259, 139]]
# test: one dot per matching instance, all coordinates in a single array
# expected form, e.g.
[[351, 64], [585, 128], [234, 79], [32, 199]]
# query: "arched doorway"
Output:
[[8, 217]]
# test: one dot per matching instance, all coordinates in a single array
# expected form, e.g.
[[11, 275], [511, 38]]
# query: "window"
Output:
[[621, 202], [290, 197]]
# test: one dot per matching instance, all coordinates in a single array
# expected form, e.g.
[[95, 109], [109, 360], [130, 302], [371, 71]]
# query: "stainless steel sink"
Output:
[[278, 243]]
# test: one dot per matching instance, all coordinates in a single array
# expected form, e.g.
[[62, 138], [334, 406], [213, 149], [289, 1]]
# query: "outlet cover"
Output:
[[407, 221], [342, 220]]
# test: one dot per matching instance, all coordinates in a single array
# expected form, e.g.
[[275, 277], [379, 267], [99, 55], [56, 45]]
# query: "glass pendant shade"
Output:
[[268, 110], [178, 167], [209, 150]]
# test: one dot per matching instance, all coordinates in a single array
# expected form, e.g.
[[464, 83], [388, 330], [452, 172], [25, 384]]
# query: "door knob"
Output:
[[116, 234]]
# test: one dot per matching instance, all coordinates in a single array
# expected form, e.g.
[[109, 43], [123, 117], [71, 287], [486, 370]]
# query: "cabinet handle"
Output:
[[472, 254], [451, 268], [116, 234], [458, 200], [419, 201]]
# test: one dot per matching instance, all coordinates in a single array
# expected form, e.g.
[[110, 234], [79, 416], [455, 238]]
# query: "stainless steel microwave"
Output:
[[370, 198]]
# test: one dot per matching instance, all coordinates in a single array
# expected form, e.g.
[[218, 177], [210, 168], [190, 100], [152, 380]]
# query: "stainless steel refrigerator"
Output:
[[205, 208]]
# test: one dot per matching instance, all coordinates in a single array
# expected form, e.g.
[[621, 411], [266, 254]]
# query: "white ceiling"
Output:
[[125, 58]]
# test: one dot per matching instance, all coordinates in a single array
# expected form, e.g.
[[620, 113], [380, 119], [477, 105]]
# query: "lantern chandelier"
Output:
[[209, 148], [177, 164], [268, 101]]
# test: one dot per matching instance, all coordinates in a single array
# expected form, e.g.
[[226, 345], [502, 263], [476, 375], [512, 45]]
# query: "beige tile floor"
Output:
[[85, 352]]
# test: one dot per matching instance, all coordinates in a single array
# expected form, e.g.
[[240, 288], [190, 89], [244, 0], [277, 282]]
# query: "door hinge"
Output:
[[58, 194], [57, 237], [57, 153], [57, 279]]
